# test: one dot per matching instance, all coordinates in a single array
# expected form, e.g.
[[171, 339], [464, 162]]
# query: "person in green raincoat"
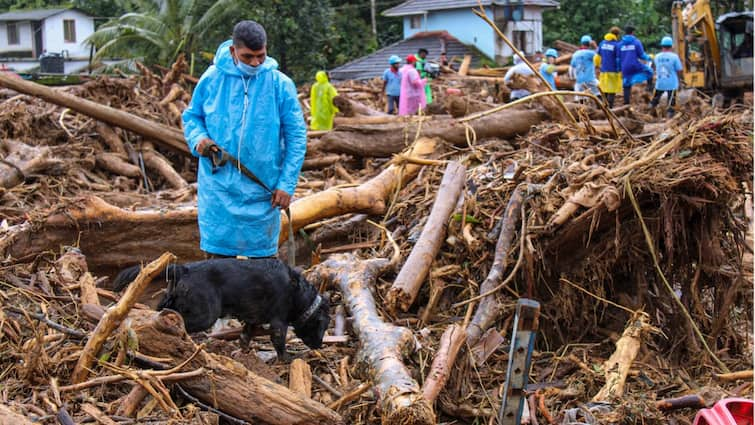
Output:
[[321, 102], [420, 65]]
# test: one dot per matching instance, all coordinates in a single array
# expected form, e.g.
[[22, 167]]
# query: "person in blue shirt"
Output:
[[392, 84], [582, 67], [548, 68], [607, 60], [632, 56], [668, 68], [245, 106]]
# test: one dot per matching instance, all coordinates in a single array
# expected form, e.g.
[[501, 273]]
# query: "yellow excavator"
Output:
[[716, 54]]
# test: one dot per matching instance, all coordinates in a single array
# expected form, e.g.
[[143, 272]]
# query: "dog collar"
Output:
[[310, 310]]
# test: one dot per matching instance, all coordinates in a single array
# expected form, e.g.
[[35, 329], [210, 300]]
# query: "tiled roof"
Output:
[[30, 15], [415, 7], [374, 64]]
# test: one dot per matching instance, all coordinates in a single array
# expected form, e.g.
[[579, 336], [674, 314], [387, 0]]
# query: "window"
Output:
[[415, 22], [69, 30], [13, 33]]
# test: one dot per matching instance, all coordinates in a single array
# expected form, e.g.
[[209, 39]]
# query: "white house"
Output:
[[27, 34], [520, 20]]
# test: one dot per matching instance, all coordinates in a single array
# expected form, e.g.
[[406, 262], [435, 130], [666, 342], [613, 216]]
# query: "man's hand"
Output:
[[206, 146], [281, 199]]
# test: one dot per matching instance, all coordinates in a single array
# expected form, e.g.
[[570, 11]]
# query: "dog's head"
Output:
[[315, 318]]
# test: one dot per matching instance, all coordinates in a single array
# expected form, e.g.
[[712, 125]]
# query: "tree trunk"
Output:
[[167, 136], [384, 141], [413, 273], [370, 197], [228, 385], [116, 164], [350, 108], [445, 357], [382, 345]]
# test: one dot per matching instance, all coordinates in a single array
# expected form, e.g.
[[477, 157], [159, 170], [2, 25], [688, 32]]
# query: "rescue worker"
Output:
[[607, 60], [392, 84], [321, 102], [548, 68], [421, 63], [519, 68], [412, 97], [632, 57], [582, 67], [668, 68], [244, 106]]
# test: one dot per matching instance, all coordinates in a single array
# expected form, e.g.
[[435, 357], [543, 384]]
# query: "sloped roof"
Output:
[[32, 14], [415, 7], [373, 65]]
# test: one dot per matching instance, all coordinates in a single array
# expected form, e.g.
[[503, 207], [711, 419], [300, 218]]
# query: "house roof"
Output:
[[32, 14], [373, 65], [415, 7]]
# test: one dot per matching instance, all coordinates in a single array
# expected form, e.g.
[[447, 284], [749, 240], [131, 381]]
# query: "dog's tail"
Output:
[[172, 274]]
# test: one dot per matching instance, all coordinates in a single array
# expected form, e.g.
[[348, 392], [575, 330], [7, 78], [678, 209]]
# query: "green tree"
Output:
[[161, 30]]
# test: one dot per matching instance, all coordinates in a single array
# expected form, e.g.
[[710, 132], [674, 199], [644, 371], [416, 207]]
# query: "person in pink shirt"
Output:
[[412, 97]]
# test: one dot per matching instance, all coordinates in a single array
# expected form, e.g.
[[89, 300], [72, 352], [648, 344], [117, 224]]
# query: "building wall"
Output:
[[53, 39], [460, 23], [531, 24], [24, 35]]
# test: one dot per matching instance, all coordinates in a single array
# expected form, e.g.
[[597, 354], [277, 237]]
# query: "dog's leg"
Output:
[[278, 329], [246, 335]]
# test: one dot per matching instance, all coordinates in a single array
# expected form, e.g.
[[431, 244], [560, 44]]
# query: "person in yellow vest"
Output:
[[321, 102]]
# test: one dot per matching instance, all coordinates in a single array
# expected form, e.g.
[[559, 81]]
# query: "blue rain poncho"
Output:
[[269, 138]]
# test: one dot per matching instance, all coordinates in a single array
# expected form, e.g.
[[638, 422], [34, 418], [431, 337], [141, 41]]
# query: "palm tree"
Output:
[[162, 30]]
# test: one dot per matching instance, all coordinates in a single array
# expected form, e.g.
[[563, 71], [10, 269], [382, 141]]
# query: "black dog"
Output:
[[256, 291]]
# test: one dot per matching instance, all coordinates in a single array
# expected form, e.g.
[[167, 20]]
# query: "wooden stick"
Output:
[[97, 414], [130, 404], [405, 288], [115, 314], [735, 376], [300, 378], [450, 343], [351, 395], [693, 401]]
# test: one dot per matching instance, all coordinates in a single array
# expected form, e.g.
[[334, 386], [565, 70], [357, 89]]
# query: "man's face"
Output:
[[423, 55], [395, 66], [248, 56]]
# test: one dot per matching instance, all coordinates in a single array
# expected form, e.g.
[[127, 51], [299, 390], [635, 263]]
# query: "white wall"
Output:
[[460, 23], [24, 34], [53, 39], [531, 22]]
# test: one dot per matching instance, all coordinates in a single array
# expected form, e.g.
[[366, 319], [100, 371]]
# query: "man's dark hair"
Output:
[[629, 30], [422, 50], [249, 34]]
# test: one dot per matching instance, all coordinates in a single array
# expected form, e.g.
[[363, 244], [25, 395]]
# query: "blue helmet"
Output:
[[552, 53], [586, 39], [394, 59], [667, 42]]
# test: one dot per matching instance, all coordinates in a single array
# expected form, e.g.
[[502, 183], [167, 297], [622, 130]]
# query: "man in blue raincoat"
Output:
[[633, 69], [246, 107]]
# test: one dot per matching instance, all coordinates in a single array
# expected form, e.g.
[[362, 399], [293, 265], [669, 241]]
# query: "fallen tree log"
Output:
[[116, 164], [350, 108], [19, 160], [384, 141], [369, 197], [227, 385], [445, 357], [405, 288], [381, 345], [155, 161], [167, 136]]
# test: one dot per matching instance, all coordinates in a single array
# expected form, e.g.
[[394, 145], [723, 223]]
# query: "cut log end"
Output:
[[408, 409]]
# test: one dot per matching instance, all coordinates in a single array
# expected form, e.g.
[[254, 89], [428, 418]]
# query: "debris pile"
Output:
[[425, 232]]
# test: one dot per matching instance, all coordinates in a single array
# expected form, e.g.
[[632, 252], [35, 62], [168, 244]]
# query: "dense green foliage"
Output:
[[305, 36]]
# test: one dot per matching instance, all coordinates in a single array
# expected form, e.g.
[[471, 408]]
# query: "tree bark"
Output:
[[10, 417], [300, 378], [111, 139], [489, 308], [369, 197], [445, 357], [228, 385], [115, 164], [155, 161], [382, 345], [351, 108], [167, 136], [19, 160], [386, 140], [405, 288]]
